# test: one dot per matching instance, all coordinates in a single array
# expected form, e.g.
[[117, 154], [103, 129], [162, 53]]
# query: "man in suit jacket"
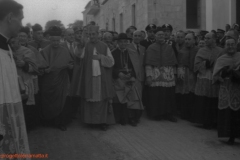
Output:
[[70, 45], [136, 53]]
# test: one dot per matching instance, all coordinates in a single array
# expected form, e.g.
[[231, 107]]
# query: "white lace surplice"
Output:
[[161, 76], [12, 124]]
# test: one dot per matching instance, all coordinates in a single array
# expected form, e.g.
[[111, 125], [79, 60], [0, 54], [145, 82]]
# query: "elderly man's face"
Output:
[[122, 43], [137, 37], [78, 35], [108, 37], [209, 39], [189, 40], [201, 44], [38, 35], [180, 38], [150, 34], [130, 33], [70, 37], [160, 36], [14, 43], [23, 38], [93, 36], [55, 41], [230, 46], [15, 23], [168, 34]]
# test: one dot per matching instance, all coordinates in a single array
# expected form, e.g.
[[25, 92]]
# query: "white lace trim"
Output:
[[163, 84]]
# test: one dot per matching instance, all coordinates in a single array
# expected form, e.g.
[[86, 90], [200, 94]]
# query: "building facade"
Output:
[[118, 15]]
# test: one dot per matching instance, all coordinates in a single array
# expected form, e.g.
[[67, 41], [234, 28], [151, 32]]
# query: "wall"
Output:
[[219, 13], [213, 14], [168, 11], [113, 8]]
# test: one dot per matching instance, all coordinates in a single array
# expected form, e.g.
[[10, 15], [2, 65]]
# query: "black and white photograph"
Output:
[[120, 79]]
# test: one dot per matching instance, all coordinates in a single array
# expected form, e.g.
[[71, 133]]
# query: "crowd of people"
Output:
[[112, 77]]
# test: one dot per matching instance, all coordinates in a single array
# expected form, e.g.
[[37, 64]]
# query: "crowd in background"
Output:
[[172, 75], [112, 77]]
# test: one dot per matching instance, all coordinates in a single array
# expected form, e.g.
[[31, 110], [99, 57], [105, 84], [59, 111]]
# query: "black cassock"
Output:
[[122, 64]]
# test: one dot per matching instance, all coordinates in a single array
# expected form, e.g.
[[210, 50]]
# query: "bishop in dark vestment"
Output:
[[124, 77], [55, 80]]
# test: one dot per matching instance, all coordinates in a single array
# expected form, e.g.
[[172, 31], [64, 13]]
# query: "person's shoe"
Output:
[[133, 123], [172, 119]]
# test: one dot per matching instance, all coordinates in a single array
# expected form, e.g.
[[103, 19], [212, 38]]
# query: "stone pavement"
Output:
[[150, 140]]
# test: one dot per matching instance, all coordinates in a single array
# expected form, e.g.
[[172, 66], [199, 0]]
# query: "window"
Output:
[[133, 15], [238, 11], [95, 2], [121, 22], [113, 24], [192, 13]]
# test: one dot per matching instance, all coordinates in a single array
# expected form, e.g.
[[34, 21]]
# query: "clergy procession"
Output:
[[49, 77]]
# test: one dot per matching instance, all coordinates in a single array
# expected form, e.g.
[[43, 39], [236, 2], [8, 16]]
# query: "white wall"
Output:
[[219, 13]]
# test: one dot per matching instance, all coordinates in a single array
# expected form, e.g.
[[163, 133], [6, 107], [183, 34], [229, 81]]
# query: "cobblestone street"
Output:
[[151, 140]]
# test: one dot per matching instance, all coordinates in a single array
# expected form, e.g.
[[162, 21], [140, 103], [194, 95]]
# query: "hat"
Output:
[[76, 29], [203, 33], [213, 31], [37, 27], [133, 27], [167, 27], [150, 27], [55, 31], [122, 36], [158, 29], [220, 31], [25, 30], [92, 28]]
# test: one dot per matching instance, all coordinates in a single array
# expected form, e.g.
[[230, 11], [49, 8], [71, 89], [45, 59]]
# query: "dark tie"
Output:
[[138, 49], [71, 49]]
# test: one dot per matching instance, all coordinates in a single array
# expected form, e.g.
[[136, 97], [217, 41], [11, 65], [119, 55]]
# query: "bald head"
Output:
[[180, 37], [137, 37], [210, 39], [189, 40], [69, 35], [107, 37], [107, 34]]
